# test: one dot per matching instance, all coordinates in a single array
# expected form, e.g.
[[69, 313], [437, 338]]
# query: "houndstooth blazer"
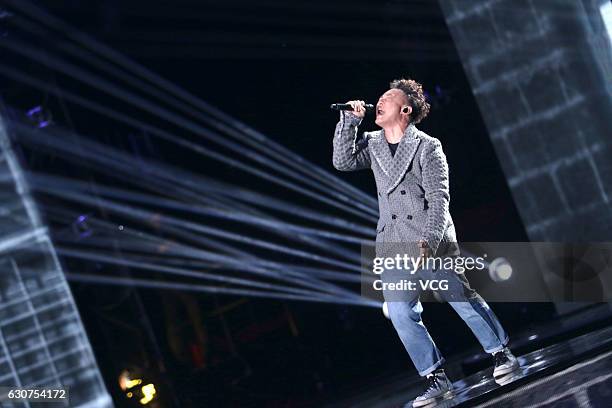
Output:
[[413, 185]]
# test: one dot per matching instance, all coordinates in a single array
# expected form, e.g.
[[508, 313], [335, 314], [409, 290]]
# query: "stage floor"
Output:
[[572, 373]]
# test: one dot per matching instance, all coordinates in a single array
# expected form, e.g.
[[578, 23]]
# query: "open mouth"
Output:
[[379, 112]]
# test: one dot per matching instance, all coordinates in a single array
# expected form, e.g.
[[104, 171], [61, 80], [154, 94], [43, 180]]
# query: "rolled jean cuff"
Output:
[[432, 368], [498, 348]]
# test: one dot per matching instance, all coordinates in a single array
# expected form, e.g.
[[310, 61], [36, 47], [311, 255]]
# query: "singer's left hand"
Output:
[[425, 252]]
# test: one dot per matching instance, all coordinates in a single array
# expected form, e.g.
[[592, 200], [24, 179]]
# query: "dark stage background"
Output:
[[277, 66]]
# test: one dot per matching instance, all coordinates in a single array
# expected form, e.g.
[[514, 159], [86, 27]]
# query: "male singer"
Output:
[[411, 175]]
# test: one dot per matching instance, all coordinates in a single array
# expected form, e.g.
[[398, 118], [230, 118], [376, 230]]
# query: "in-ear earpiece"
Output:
[[405, 110]]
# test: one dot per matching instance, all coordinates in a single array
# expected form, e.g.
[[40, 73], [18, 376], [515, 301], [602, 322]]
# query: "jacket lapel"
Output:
[[381, 152], [403, 156]]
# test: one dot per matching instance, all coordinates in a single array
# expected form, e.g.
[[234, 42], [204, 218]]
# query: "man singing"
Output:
[[411, 175]]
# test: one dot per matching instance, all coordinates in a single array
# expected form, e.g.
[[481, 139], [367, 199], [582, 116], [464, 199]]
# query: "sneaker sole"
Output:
[[447, 395], [505, 371]]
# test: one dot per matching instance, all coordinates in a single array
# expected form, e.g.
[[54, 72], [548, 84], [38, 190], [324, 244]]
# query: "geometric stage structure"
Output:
[[42, 340], [540, 72]]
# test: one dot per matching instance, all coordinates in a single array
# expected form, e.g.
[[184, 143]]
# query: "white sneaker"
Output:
[[505, 362], [438, 388]]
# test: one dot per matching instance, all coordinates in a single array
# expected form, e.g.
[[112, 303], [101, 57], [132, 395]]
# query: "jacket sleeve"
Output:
[[347, 156], [436, 186]]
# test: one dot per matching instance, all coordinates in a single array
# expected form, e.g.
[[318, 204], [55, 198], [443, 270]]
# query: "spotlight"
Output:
[[40, 117], [385, 310], [127, 380], [80, 227], [148, 393], [135, 387], [500, 269]]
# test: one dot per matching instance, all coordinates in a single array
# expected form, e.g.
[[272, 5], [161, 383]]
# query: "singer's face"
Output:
[[389, 107]]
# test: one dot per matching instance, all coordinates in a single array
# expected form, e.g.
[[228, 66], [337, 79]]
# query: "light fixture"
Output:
[[500, 269]]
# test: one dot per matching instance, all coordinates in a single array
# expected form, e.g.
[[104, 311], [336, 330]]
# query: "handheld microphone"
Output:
[[345, 106]]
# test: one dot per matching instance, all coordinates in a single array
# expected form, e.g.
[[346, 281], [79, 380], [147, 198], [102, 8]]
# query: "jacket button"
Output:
[[409, 217], [393, 216], [403, 192]]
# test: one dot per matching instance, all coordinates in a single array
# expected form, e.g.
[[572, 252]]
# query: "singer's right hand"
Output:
[[358, 108]]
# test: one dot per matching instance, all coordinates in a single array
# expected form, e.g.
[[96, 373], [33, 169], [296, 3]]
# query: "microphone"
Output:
[[345, 106]]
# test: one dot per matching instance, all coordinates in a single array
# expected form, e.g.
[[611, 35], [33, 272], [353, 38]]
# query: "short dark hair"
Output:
[[416, 99]]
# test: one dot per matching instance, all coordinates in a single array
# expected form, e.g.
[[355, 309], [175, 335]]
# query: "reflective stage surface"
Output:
[[574, 373]]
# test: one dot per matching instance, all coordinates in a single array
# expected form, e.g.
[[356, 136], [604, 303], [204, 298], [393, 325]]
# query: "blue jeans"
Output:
[[405, 313]]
